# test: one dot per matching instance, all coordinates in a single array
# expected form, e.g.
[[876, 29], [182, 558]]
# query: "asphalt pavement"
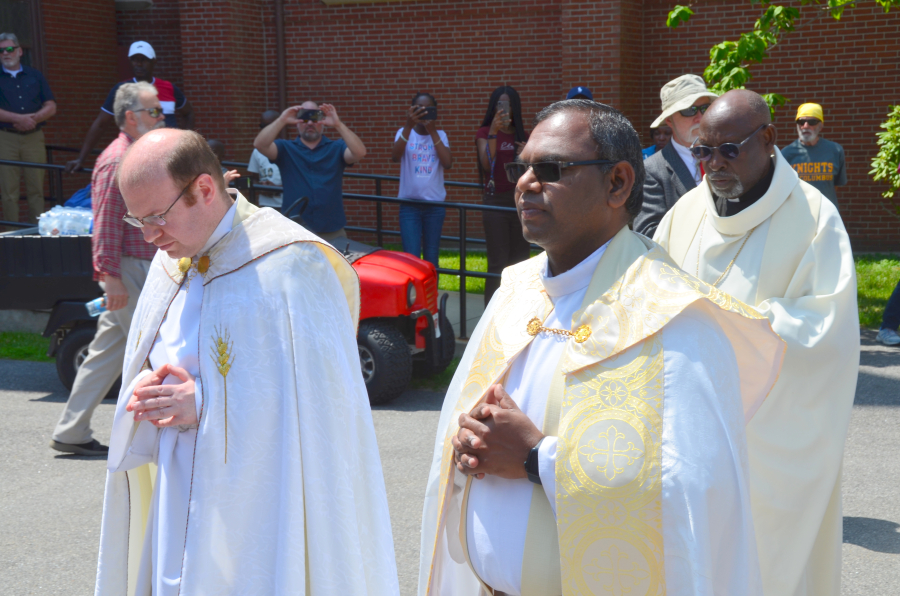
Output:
[[50, 504]]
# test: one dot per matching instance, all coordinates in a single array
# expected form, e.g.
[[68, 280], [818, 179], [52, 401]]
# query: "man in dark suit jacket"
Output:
[[673, 171]]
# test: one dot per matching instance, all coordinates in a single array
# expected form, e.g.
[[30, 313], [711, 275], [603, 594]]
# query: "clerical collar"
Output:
[[575, 279], [221, 230], [728, 207]]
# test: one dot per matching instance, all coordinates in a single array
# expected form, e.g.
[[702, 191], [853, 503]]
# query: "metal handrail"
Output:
[[377, 198]]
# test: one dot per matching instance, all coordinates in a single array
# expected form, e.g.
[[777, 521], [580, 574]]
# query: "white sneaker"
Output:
[[888, 337]]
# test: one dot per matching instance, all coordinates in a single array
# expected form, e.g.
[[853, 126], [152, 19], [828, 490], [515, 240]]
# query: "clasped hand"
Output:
[[164, 405], [494, 438]]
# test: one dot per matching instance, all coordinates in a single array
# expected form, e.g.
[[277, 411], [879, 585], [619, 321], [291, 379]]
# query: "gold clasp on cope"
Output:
[[580, 335]]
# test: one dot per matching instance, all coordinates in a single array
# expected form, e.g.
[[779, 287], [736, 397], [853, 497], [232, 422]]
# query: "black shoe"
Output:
[[92, 448]]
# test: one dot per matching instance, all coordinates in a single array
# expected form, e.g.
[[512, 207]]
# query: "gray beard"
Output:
[[144, 130], [736, 191], [311, 135]]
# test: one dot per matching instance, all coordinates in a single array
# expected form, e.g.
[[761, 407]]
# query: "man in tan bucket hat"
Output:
[[673, 171]]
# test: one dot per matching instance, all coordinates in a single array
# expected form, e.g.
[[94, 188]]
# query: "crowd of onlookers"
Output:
[[311, 166]]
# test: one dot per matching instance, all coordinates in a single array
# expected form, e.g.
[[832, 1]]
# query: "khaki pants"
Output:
[[18, 147], [103, 364]]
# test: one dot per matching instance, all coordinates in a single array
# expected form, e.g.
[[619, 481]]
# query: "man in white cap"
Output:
[[673, 171], [176, 107]]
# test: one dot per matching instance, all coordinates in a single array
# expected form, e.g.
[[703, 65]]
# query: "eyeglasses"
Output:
[[154, 112], [692, 111], [809, 121], [546, 171], [157, 220], [726, 150], [9, 49]]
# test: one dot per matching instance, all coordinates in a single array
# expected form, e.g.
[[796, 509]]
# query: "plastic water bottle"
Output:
[[96, 306]]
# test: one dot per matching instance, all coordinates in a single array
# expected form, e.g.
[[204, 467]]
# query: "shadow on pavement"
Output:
[[873, 534], [57, 397], [416, 400]]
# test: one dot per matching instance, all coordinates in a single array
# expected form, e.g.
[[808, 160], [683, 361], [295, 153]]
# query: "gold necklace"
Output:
[[581, 334], [727, 269]]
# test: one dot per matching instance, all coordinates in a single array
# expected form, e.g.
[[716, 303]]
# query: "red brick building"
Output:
[[368, 58]]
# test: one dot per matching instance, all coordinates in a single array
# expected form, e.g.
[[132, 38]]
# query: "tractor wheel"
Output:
[[71, 354], [385, 361], [447, 341]]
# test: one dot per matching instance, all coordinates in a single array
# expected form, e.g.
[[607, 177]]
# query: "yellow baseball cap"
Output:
[[810, 110]]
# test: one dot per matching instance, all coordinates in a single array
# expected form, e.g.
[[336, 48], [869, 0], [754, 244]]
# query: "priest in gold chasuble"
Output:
[[753, 229], [243, 457], [592, 440]]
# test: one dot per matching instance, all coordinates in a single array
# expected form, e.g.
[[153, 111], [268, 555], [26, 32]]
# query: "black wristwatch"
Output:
[[531, 463]]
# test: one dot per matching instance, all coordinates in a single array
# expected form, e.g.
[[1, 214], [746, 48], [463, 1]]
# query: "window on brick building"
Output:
[[23, 18]]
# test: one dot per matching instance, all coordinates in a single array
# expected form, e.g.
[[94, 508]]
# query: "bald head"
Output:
[[174, 173], [740, 117], [739, 104]]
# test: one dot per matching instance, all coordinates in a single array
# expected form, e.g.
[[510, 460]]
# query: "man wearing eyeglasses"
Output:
[[26, 103], [758, 232], [592, 439], [817, 160], [242, 456], [673, 171], [121, 260]]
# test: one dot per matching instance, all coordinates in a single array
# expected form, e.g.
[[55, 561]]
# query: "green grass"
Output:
[[876, 277], [24, 346]]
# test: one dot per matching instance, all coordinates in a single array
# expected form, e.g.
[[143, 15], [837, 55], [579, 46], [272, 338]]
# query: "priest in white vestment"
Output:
[[593, 439], [243, 457], [754, 230]]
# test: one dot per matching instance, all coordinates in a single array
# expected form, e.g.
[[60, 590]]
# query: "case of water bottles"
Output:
[[66, 221]]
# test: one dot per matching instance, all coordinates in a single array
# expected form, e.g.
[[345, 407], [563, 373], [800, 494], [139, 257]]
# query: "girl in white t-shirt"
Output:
[[424, 153]]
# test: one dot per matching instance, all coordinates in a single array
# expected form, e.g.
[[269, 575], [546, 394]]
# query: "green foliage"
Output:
[[679, 14], [24, 346], [876, 276], [886, 161]]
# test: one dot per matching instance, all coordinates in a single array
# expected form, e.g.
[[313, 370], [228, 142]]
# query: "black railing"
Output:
[[378, 198]]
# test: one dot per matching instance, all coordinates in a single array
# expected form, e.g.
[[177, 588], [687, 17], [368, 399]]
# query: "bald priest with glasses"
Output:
[[756, 231], [242, 458], [592, 439]]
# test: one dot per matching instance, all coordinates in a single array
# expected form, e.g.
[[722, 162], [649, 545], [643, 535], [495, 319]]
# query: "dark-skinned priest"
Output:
[[753, 229], [593, 439], [243, 457]]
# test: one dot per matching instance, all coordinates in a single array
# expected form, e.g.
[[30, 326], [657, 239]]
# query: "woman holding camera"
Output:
[[500, 138], [424, 153]]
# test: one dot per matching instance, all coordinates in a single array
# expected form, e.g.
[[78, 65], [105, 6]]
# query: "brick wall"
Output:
[[369, 60], [850, 67]]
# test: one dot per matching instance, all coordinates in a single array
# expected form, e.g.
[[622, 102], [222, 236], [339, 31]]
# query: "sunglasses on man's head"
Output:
[[154, 112], [809, 121], [9, 49], [546, 171], [726, 150], [692, 111]]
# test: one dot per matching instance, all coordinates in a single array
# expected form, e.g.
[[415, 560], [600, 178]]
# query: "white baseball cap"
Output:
[[143, 48]]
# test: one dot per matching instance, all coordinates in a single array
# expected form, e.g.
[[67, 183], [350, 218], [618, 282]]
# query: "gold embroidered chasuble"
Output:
[[606, 407], [276, 333], [797, 270]]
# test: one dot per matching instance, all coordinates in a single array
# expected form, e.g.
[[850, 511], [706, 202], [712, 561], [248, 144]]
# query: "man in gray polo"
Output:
[[673, 171], [817, 160]]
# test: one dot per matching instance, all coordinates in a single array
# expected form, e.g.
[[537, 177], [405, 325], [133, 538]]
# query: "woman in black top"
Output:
[[501, 137]]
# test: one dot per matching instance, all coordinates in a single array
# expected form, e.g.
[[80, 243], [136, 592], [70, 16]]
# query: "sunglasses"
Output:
[[547, 171], [157, 220], [809, 121], [692, 111], [726, 150], [9, 49], [154, 112]]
